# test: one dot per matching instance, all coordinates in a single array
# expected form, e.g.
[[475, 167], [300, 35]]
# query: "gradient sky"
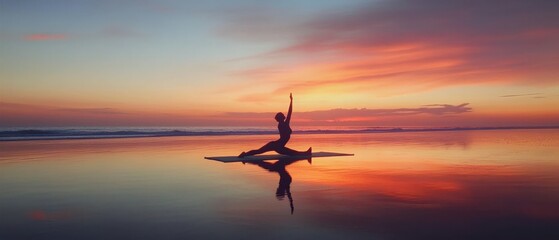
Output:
[[233, 63]]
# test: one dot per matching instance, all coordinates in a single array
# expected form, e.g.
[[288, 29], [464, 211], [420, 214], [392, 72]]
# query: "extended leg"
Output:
[[268, 147], [288, 151]]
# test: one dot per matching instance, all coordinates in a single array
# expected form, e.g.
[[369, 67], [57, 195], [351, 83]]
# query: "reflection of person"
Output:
[[285, 179], [285, 134]]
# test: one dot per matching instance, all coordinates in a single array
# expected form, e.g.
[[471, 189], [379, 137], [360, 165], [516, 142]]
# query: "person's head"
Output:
[[280, 117]]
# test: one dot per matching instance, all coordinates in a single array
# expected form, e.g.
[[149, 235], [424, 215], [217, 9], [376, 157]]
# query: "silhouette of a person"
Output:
[[285, 134], [285, 179]]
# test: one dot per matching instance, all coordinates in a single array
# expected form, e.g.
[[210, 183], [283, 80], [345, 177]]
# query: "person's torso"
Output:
[[284, 131]]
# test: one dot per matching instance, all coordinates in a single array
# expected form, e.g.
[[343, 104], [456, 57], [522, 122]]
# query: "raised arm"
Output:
[[290, 109]]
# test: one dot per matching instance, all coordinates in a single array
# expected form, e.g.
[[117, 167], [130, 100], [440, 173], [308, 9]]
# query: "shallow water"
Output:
[[497, 184]]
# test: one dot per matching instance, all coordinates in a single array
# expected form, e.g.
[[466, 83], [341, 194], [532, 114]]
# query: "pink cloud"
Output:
[[421, 45], [45, 37], [436, 115]]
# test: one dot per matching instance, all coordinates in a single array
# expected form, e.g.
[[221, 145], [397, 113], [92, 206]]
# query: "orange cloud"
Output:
[[397, 47], [364, 113], [14, 114], [434, 115]]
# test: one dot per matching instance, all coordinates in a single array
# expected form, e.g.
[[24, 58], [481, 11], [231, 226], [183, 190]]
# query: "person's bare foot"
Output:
[[242, 155]]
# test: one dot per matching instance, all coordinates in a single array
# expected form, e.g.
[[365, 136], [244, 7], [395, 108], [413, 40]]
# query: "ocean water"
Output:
[[61, 133], [475, 184]]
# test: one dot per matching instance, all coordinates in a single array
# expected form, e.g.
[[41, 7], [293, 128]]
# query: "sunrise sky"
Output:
[[400, 63]]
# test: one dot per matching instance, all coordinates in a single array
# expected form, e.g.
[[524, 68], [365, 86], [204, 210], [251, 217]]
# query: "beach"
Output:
[[476, 184], [149, 120]]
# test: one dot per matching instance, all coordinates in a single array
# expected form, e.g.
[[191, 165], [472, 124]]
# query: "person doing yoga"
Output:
[[285, 134]]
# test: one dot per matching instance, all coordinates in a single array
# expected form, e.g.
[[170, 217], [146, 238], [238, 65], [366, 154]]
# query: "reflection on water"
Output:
[[284, 185], [430, 185]]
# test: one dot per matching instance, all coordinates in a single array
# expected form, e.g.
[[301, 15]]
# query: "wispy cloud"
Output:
[[522, 95], [108, 32], [419, 45], [21, 115], [341, 114], [434, 115], [45, 37]]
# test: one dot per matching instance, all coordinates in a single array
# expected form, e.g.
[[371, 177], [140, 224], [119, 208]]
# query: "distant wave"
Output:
[[45, 134]]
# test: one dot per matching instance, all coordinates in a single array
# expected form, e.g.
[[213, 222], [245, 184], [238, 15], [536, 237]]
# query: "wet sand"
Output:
[[494, 184]]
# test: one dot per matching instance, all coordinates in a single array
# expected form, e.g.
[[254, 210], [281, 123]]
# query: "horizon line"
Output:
[[37, 134]]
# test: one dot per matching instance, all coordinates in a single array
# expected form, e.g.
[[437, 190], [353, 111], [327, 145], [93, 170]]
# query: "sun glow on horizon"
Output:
[[196, 63]]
